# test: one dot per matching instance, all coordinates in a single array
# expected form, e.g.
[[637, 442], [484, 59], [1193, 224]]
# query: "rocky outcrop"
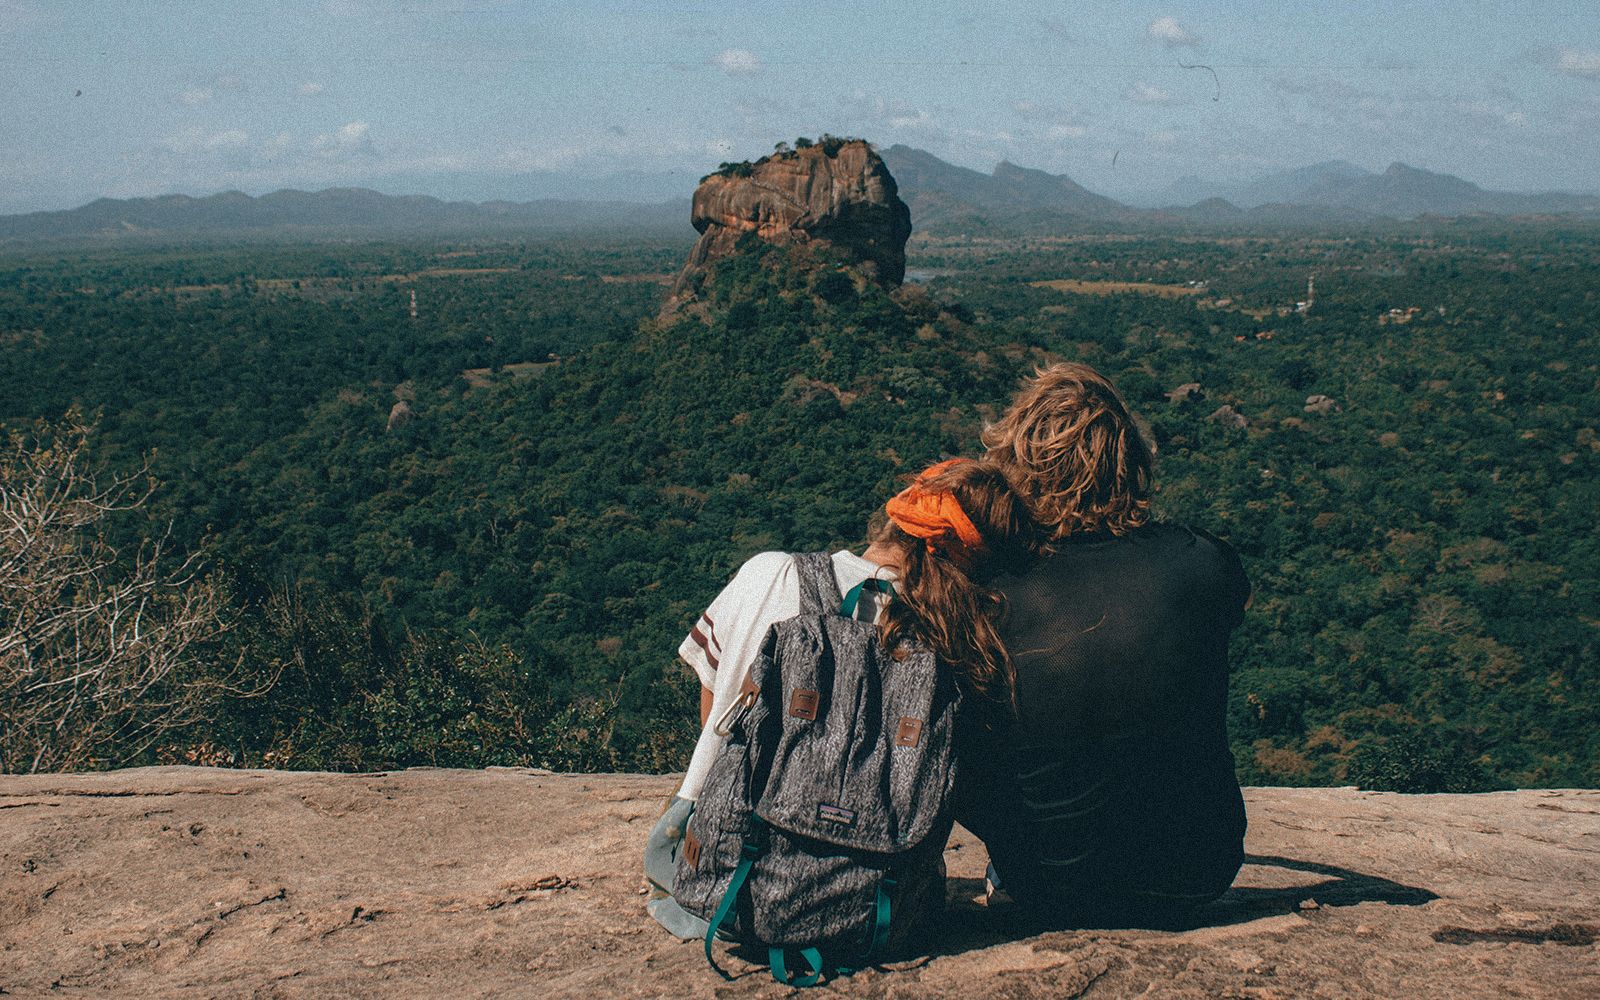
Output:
[[193, 882], [1227, 416], [400, 414], [830, 194]]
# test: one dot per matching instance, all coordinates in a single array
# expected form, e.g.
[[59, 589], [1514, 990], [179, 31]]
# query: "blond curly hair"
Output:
[[1071, 447]]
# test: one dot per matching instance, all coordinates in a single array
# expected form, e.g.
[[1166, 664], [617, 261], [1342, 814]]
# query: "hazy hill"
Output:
[[1343, 190], [335, 211], [1405, 192], [943, 196], [947, 197], [1284, 187]]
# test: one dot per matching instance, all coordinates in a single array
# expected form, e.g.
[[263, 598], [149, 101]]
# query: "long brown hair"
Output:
[[1070, 444], [942, 595]]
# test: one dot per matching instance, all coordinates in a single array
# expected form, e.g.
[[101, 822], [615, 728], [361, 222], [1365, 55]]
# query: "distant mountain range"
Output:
[[335, 211], [1286, 187], [947, 197], [1400, 192], [943, 198]]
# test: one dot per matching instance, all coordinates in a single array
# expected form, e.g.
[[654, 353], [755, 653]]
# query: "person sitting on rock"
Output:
[[939, 541], [1111, 797]]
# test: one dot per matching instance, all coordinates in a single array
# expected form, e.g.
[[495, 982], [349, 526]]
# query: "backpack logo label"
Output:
[[836, 814], [803, 704], [910, 732]]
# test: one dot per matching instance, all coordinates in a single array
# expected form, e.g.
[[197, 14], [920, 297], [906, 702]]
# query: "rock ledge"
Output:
[[189, 882]]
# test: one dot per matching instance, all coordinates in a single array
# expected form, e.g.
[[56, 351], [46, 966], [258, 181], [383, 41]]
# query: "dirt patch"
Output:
[[482, 378], [1075, 287], [1573, 935]]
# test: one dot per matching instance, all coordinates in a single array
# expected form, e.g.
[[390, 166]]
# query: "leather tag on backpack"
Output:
[[748, 691], [837, 815], [691, 849], [910, 732], [803, 704]]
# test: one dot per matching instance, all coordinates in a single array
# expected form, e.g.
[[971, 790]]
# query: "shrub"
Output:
[[1417, 761]]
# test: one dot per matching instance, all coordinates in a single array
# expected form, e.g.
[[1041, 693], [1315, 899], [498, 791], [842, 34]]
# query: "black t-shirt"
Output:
[[1115, 782]]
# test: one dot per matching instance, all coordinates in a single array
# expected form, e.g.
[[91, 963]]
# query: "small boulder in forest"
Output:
[[400, 415], [1227, 416]]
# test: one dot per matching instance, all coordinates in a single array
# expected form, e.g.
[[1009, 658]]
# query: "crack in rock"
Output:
[[275, 897]]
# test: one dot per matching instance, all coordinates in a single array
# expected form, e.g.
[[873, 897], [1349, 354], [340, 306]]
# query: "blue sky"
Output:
[[136, 98]]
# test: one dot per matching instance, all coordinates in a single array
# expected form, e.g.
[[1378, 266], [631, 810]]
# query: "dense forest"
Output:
[[477, 534]]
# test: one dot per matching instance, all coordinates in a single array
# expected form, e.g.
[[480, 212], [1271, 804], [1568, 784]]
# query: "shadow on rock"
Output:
[[1342, 887], [970, 925]]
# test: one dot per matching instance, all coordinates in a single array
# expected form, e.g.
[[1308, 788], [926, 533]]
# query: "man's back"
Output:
[[1115, 786]]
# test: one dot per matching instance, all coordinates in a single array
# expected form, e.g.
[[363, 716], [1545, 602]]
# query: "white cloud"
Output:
[[1058, 122], [1144, 93], [736, 62], [352, 139], [195, 96], [919, 120], [233, 138], [1516, 119], [1165, 137], [190, 141], [310, 88], [600, 151], [1170, 33], [867, 114], [1579, 62]]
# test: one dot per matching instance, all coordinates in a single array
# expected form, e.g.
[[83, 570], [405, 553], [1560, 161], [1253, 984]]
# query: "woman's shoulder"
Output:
[[766, 564], [763, 573]]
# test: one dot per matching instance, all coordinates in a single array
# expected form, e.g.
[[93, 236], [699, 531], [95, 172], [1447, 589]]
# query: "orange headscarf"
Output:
[[937, 518]]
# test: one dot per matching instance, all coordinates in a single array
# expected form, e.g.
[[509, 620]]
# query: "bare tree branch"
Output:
[[101, 657]]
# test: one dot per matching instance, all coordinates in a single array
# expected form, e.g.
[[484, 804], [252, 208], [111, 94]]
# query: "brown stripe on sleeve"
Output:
[[700, 640]]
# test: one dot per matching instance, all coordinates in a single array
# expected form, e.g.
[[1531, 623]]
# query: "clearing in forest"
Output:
[[1074, 287]]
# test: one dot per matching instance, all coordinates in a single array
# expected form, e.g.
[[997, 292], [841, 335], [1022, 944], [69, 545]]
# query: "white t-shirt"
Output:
[[724, 642]]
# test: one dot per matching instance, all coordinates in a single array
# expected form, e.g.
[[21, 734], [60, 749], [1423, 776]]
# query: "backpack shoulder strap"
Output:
[[819, 587]]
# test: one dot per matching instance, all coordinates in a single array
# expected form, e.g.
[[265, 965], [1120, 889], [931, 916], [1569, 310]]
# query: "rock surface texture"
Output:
[[844, 199], [187, 882]]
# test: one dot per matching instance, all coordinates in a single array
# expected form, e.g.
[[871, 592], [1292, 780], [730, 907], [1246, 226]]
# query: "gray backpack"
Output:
[[822, 824]]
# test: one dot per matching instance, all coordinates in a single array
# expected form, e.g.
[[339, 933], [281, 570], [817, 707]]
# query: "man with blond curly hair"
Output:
[[1110, 797]]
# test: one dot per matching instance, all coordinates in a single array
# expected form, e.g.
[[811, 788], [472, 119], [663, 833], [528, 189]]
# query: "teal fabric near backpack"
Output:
[[820, 832]]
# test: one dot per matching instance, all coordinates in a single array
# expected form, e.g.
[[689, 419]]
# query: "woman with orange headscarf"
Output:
[[937, 543]]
